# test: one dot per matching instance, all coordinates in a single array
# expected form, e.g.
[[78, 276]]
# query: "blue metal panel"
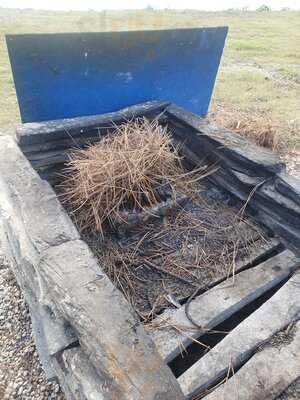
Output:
[[77, 74]]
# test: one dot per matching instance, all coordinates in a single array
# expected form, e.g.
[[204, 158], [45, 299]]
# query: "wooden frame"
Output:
[[86, 333]]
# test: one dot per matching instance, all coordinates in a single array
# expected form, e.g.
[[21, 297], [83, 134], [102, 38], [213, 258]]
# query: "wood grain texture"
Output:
[[219, 303], [67, 291], [266, 375], [73, 303], [234, 150], [280, 310], [41, 132]]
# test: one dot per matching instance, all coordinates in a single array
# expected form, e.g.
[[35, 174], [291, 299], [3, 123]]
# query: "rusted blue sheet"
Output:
[[77, 74]]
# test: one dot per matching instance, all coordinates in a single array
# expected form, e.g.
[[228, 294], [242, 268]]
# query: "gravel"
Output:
[[21, 375], [292, 160]]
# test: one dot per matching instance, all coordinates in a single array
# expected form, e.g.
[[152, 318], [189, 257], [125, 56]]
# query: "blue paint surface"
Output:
[[78, 74]]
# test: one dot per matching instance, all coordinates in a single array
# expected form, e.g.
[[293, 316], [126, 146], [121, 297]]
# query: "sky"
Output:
[[99, 5]]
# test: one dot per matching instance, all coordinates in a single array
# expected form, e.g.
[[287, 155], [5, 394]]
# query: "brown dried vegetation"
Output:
[[125, 170], [256, 126], [162, 260]]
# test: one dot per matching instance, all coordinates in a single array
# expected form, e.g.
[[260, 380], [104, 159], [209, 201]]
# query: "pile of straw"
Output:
[[125, 170], [257, 126]]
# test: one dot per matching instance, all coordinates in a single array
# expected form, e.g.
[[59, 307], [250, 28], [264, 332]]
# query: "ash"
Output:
[[163, 261]]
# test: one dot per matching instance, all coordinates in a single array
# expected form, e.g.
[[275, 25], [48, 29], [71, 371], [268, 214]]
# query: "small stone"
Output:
[[25, 379]]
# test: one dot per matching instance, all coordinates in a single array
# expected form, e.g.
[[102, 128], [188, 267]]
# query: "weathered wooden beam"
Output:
[[289, 186], [219, 303], [50, 332], [83, 380], [204, 137], [238, 346], [267, 374], [42, 149], [107, 328], [41, 132], [274, 199], [54, 264]]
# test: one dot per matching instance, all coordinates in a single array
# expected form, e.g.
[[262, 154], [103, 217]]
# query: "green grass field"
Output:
[[259, 74]]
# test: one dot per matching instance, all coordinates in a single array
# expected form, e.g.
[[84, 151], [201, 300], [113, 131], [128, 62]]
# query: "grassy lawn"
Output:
[[259, 79]]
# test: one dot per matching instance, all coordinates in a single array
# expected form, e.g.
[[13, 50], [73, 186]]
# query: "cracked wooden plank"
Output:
[[31, 201], [273, 198], [41, 132], [219, 303], [32, 220], [83, 379], [57, 272], [266, 375], [107, 328], [280, 310]]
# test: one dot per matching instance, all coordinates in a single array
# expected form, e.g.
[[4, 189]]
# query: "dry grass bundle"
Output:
[[258, 127], [124, 170]]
